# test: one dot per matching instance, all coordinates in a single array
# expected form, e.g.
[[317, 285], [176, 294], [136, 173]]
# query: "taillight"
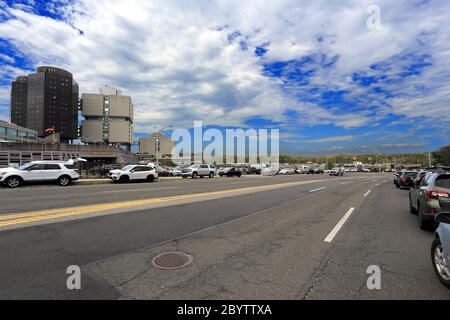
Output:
[[435, 194], [402, 178]]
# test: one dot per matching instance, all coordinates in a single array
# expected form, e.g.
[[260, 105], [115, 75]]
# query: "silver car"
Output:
[[440, 249]]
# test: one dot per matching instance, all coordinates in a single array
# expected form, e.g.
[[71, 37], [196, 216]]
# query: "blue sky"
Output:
[[315, 70]]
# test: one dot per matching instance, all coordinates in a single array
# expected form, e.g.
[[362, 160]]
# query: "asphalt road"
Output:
[[251, 238]]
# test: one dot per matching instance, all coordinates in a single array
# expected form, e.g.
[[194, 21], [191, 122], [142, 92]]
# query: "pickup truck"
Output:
[[198, 170]]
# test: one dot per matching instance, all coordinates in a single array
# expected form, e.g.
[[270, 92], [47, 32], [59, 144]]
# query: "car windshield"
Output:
[[24, 166]]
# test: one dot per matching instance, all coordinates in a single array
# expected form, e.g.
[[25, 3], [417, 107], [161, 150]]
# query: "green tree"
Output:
[[442, 156]]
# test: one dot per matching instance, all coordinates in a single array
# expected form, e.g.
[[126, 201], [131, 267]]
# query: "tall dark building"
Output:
[[19, 101], [51, 102]]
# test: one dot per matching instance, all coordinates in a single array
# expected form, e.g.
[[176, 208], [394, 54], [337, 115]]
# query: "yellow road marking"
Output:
[[34, 216]]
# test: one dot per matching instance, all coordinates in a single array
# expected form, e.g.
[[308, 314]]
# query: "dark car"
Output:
[[406, 179], [230, 172], [162, 172], [430, 197], [397, 176]]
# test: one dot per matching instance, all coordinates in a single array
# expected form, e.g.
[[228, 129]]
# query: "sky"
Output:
[[335, 77]]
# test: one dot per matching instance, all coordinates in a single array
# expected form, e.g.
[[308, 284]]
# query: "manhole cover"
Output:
[[172, 260]]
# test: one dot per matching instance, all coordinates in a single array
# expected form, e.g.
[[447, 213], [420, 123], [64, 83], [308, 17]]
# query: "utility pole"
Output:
[[429, 159]]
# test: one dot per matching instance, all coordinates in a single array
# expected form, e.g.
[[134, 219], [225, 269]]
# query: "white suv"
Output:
[[39, 171], [198, 170], [134, 173]]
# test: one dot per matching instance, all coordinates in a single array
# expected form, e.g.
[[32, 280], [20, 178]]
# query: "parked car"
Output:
[[406, 179], [134, 173], [440, 249], [253, 170], [338, 171], [40, 171], [230, 172], [430, 197], [162, 172], [198, 170], [286, 171], [318, 170], [175, 172], [397, 176], [304, 170]]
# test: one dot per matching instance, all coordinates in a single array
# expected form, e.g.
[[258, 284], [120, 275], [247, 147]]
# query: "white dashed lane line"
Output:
[[318, 189], [338, 227], [367, 193]]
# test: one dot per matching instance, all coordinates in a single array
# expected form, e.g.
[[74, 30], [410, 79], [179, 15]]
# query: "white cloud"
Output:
[[176, 60]]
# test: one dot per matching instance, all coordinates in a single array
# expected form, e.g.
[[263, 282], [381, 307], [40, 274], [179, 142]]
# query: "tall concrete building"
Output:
[[46, 99], [108, 117], [19, 101], [156, 146]]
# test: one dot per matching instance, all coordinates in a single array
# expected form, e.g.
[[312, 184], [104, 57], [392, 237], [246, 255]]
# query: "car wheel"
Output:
[[150, 178], [64, 181], [439, 265], [239, 175], [124, 179], [13, 182], [423, 224], [211, 174], [194, 175]]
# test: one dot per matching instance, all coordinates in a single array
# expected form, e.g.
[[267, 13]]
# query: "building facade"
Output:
[[46, 99], [108, 117], [19, 90], [12, 133], [156, 146]]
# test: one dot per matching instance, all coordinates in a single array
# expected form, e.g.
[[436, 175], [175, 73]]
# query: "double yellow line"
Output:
[[35, 216]]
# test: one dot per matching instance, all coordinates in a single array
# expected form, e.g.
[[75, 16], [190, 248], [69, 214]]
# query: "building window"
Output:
[[12, 132], [2, 130]]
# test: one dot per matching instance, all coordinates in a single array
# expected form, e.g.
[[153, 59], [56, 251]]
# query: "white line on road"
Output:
[[142, 189], [377, 184], [367, 193], [338, 227], [318, 189]]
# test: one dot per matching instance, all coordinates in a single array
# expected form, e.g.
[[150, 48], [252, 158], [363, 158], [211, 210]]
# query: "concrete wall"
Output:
[[147, 146], [120, 131]]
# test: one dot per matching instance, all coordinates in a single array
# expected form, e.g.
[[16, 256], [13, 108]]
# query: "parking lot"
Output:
[[250, 237]]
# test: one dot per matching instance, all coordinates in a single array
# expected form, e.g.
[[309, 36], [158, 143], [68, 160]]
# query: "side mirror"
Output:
[[443, 217]]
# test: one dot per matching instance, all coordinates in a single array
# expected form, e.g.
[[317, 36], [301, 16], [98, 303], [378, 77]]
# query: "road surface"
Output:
[[283, 237]]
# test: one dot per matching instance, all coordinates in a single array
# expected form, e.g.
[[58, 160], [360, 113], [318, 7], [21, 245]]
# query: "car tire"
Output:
[[124, 179], [440, 267], [423, 224], [211, 175], [150, 178], [194, 175], [239, 175], [64, 181], [13, 182]]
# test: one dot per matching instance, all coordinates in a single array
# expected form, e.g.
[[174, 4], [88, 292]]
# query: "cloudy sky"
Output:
[[329, 74]]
